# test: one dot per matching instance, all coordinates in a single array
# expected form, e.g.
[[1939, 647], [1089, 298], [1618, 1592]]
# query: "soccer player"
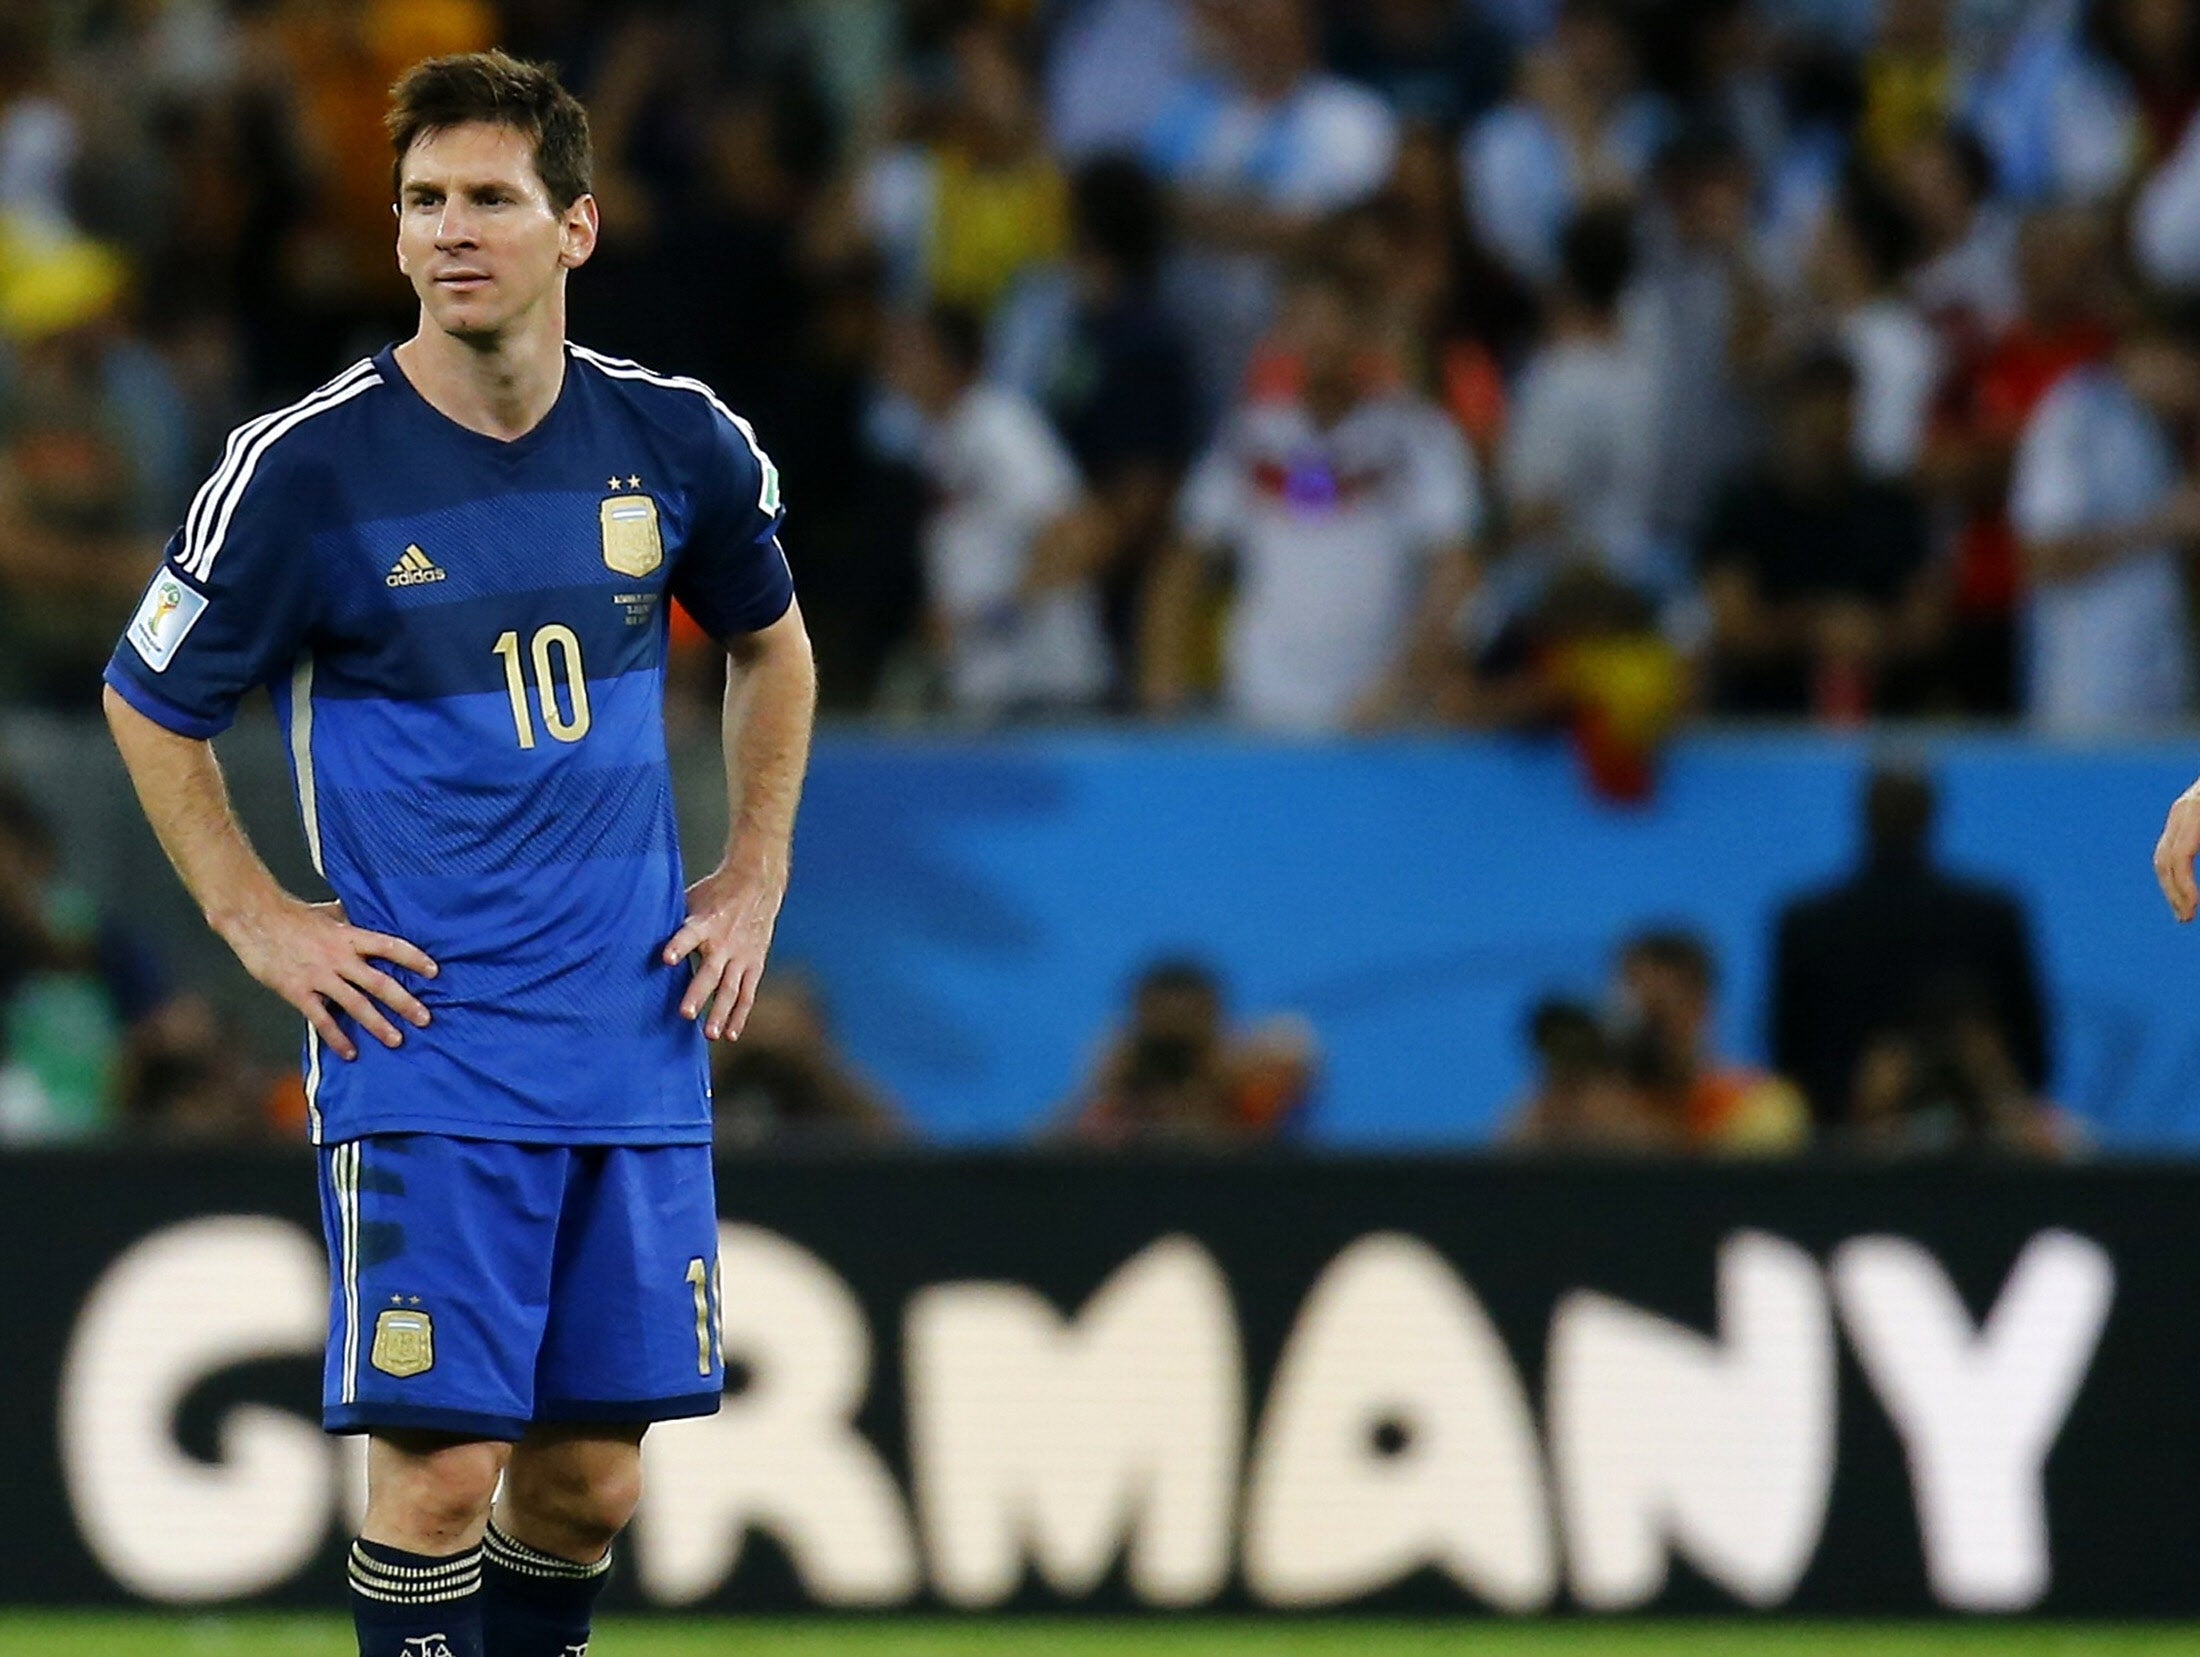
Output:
[[452, 566]]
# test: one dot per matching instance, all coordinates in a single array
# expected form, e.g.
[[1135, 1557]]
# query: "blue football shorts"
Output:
[[478, 1287]]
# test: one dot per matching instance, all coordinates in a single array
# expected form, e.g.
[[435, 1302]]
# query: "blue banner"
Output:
[[975, 909]]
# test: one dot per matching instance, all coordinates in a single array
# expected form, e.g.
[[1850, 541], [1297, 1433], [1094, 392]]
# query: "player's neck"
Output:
[[503, 389]]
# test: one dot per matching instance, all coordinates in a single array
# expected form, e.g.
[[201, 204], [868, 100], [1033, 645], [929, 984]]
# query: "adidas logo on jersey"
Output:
[[415, 569]]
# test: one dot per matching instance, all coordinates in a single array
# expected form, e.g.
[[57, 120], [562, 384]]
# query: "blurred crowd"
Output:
[[1580, 366], [1562, 364]]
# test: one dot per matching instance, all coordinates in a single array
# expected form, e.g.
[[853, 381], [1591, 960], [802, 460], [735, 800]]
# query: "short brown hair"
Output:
[[494, 87]]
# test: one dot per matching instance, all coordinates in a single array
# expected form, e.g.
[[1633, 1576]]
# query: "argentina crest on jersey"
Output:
[[631, 544]]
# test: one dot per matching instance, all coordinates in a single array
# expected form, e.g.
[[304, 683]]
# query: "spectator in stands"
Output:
[[2064, 281], [1667, 994], [786, 1082], [1578, 131], [1947, 1081], [92, 1031], [2165, 219], [1580, 448], [963, 211], [1700, 314], [1010, 557], [1966, 278], [1816, 575], [2152, 48], [2059, 120], [1113, 370], [1581, 1098], [1911, 79], [39, 139], [2108, 513], [1866, 245], [1869, 957], [860, 557], [1177, 1075], [1348, 512], [1257, 153], [93, 440]]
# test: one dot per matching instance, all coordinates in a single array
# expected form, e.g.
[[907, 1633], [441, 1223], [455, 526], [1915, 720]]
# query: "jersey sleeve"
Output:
[[732, 577], [230, 607]]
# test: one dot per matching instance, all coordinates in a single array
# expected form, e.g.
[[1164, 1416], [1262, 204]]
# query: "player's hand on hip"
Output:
[[2174, 852], [316, 960], [728, 932]]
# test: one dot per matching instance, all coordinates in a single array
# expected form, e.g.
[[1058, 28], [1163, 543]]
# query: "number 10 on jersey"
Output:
[[557, 636]]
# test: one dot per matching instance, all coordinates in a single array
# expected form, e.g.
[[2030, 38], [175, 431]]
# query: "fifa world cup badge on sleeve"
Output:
[[631, 544], [404, 1343], [169, 611]]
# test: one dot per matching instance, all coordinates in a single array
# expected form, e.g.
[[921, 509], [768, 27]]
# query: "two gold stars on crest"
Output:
[[631, 483]]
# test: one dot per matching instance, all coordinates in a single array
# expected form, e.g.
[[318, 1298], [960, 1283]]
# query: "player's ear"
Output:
[[578, 227], [397, 217]]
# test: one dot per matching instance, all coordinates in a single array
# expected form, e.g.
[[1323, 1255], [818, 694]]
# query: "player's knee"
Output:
[[427, 1493], [612, 1496], [585, 1496]]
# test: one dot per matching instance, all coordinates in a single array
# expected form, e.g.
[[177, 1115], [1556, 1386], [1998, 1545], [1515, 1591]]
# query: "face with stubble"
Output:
[[477, 234]]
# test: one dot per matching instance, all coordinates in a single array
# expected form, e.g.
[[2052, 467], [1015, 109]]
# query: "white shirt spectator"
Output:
[[1583, 436], [1003, 477], [1897, 359], [38, 146], [1333, 534], [2110, 649]]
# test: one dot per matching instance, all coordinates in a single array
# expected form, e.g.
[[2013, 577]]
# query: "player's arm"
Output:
[[306, 953], [2174, 852], [771, 702]]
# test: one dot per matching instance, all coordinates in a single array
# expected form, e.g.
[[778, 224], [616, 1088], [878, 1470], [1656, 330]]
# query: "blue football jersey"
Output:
[[465, 639]]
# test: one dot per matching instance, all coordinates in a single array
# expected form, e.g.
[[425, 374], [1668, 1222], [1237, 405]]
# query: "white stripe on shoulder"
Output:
[[619, 368], [202, 504], [208, 521]]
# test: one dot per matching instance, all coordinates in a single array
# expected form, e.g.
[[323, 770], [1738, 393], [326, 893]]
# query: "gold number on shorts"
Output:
[[699, 1280]]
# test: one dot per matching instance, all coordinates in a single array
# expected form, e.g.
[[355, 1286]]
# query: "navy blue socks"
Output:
[[416, 1605], [535, 1604]]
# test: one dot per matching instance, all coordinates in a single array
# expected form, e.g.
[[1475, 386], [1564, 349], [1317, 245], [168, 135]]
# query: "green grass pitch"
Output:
[[69, 1635]]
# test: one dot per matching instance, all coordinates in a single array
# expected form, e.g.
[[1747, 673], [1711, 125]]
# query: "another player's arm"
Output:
[[306, 953], [2174, 852], [771, 700]]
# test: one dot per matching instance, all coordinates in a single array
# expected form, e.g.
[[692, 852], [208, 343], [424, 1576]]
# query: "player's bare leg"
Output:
[[568, 1492], [416, 1568]]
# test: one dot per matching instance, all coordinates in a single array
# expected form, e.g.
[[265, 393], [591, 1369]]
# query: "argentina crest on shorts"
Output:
[[404, 1343]]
